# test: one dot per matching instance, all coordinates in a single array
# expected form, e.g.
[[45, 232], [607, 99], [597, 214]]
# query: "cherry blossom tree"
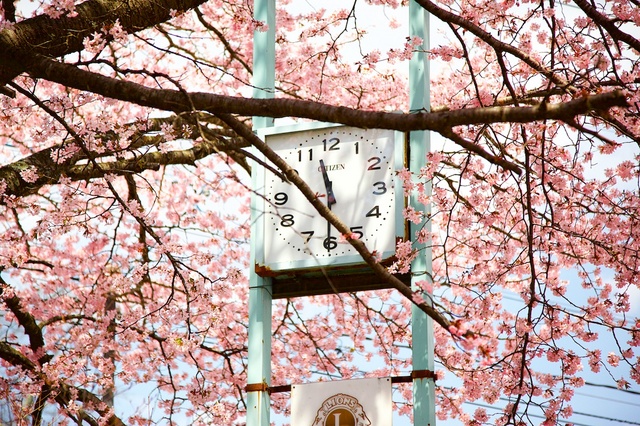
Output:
[[125, 134]]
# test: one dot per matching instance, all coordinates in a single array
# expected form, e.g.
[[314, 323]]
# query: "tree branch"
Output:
[[26, 321], [55, 37], [15, 357], [608, 24], [177, 101], [477, 149], [49, 172], [496, 44], [324, 211]]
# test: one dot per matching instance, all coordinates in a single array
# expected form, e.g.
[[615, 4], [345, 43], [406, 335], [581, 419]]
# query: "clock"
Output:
[[353, 171]]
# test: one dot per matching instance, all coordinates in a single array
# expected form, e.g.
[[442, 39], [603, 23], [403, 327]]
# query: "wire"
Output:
[[611, 419], [602, 398], [528, 414], [633, 392], [577, 413]]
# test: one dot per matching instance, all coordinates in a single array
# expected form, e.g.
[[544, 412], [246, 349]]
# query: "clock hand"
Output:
[[331, 199]]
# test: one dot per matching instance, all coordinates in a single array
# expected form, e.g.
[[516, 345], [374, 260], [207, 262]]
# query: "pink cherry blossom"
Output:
[[125, 205]]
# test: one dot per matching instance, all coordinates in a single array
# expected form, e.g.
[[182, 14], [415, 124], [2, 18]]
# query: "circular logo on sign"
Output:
[[341, 410]]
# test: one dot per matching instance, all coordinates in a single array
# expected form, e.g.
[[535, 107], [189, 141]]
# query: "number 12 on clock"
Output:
[[354, 172]]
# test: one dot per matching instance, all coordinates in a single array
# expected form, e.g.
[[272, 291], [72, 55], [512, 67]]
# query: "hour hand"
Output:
[[331, 199]]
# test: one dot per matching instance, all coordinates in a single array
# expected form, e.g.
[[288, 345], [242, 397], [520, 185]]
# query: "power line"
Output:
[[602, 398], [528, 414], [577, 413], [611, 419], [599, 385]]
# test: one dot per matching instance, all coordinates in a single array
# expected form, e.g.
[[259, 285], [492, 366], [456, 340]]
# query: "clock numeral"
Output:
[[358, 231], [301, 154], [357, 147], [381, 188], [374, 212], [375, 161], [309, 234], [280, 199], [287, 220], [331, 144], [330, 243]]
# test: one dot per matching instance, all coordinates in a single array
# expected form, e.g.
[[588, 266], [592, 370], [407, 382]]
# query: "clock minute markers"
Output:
[[360, 163]]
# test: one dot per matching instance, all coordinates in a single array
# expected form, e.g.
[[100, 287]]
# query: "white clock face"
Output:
[[353, 172]]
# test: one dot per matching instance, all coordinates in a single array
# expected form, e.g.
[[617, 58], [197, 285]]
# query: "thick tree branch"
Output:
[[50, 172], [9, 10], [50, 169], [173, 100], [26, 321], [498, 45], [177, 101], [58, 37], [325, 212], [15, 357], [608, 25]]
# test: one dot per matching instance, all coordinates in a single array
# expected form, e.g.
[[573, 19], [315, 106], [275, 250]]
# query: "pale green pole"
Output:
[[264, 56], [259, 348], [424, 400]]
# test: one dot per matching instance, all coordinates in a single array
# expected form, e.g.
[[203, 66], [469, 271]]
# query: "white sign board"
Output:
[[361, 402]]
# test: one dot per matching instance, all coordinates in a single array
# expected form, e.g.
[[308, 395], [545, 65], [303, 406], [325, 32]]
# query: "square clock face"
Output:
[[353, 171]]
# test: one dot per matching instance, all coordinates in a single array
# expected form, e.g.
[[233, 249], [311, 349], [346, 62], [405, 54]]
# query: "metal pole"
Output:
[[264, 56], [259, 349], [419, 146]]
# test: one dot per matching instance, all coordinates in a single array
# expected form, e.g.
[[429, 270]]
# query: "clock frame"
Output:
[[354, 171]]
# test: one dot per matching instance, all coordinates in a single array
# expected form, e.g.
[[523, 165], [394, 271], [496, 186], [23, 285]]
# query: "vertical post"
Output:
[[264, 56], [419, 146], [259, 348]]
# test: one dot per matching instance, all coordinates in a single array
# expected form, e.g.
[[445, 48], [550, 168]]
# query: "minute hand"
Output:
[[331, 199]]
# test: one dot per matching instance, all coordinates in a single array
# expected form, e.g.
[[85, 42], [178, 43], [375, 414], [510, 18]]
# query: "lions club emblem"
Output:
[[341, 410]]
